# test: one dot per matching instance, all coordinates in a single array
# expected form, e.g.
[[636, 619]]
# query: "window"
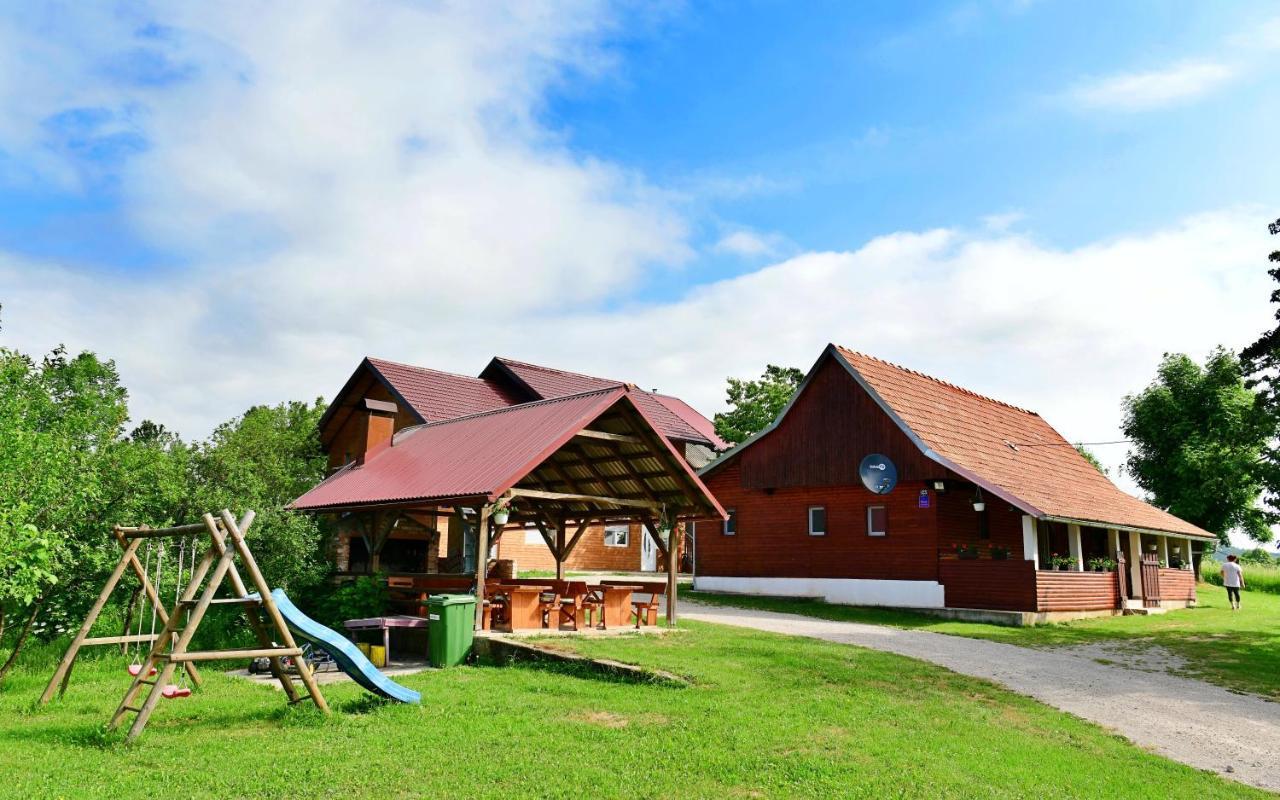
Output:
[[817, 521], [877, 521], [731, 524], [617, 535]]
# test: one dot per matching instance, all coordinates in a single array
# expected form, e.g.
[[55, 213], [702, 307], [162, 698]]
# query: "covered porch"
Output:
[[429, 509]]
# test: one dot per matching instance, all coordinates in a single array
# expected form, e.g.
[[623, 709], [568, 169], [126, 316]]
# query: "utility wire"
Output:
[[1018, 445]]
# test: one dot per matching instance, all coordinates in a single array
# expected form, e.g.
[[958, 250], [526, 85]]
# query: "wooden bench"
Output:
[[644, 610]]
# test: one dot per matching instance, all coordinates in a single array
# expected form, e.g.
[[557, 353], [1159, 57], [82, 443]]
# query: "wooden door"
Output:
[[1150, 580]]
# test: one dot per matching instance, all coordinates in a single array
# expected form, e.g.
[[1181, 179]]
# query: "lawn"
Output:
[[1238, 650], [765, 716]]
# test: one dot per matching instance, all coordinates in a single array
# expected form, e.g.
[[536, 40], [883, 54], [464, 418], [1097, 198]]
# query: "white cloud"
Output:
[[749, 244], [1002, 222], [1144, 91]]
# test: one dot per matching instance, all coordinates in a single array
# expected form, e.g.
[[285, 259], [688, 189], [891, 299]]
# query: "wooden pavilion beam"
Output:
[[605, 436], [567, 497]]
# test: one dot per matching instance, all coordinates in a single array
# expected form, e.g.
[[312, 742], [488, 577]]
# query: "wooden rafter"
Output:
[[605, 436], [567, 497]]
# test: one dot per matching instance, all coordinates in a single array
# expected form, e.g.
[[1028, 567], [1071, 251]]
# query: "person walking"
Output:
[[1233, 579]]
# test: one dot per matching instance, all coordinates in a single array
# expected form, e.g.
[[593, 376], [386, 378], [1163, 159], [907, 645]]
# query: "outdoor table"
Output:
[[617, 604], [384, 624], [522, 605]]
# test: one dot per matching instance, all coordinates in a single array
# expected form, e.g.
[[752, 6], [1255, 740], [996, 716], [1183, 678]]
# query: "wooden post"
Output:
[[1074, 547], [482, 563], [559, 551], [673, 569]]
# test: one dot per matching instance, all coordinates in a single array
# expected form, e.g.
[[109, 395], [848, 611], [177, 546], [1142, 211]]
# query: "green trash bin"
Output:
[[451, 620]]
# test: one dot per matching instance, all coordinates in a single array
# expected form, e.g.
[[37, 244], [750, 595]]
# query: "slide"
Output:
[[348, 657]]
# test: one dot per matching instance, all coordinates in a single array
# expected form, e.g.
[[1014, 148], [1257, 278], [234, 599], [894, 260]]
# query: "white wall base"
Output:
[[845, 591]]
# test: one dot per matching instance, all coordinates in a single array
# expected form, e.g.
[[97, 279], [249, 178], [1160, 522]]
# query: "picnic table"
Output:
[[384, 624], [616, 603], [523, 609]]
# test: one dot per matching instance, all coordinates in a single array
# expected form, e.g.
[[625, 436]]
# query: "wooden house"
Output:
[[385, 402], [992, 509]]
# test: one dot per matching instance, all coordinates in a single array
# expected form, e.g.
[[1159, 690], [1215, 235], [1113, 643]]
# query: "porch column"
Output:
[[1164, 549], [1135, 564], [1113, 542], [1074, 548], [673, 568], [559, 553], [482, 563], [1030, 541]]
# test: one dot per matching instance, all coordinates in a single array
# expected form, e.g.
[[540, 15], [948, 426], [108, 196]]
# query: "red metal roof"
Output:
[[674, 418], [481, 455], [436, 396]]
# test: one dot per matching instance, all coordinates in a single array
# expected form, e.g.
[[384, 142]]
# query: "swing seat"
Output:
[[172, 690], [134, 669]]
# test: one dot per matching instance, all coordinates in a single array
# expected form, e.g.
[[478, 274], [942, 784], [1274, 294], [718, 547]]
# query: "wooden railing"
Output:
[[1077, 591], [1177, 584]]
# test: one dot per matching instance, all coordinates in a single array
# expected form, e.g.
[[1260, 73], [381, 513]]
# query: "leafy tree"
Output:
[[1199, 435], [1258, 556], [1091, 458], [755, 404], [1261, 363], [262, 460], [58, 419]]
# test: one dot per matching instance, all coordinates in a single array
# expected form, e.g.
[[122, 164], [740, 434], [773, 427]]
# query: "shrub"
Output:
[[366, 596]]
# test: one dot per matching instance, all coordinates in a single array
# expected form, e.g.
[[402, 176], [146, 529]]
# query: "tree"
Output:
[[1090, 457], [1261, 363], [1257, 556], [755, 404], [1199, 436], [58, 419], [262, 460]]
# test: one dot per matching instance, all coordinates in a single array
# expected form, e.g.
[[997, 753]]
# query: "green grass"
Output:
[[766, 716], [1238, 650], [1257, 577]]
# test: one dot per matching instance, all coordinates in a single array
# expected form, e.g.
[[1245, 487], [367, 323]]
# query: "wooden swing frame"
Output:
[[169, 646]]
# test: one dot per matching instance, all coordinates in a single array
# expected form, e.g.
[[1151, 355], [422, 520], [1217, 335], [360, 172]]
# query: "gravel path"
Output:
[[1187, 720]]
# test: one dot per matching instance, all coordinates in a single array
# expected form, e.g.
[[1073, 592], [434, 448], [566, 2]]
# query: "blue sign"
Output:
[[924, 499], [878, 473]]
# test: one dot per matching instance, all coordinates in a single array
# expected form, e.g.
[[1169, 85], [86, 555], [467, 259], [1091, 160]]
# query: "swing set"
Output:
[[168, 649]]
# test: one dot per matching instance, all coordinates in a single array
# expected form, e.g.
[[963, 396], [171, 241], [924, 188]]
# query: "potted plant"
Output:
[[999, 553], [967, 552], [1102, 564], [1061, 563], [500, 511]]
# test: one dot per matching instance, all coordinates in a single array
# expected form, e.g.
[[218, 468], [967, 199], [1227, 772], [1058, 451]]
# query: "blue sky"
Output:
[[1034, 199]]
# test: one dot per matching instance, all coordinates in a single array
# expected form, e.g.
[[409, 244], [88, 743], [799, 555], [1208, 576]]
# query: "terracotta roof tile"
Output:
[[1012, 448]]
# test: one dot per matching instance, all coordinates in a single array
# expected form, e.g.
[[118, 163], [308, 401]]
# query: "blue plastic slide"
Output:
[[348, 657]]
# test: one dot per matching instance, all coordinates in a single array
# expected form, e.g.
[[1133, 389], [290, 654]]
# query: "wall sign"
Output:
[[878, 473], [923, 502]]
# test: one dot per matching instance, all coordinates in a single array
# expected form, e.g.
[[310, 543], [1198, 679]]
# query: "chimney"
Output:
[[379, 425]]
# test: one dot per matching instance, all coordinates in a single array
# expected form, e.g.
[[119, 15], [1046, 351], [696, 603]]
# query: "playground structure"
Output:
[[170, 646]]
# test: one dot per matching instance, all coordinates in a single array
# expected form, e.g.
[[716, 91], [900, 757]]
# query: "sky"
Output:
[[1036, 200]]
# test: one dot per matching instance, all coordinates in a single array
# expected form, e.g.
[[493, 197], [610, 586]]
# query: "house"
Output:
[[991, 508], [384, 402]]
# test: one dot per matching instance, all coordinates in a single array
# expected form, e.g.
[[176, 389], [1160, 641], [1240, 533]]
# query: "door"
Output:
[[648, 552]]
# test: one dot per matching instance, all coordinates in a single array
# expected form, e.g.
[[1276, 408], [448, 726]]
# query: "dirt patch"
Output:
[[1139, 655], [605, 719]]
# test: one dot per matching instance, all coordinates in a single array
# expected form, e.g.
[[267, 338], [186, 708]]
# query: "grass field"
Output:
[[766, 716], [1239, 650], [1256, 577]]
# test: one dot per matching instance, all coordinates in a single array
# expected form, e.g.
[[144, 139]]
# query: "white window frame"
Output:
[[731, 520], [884, 532], [625, 530], [822, 532]]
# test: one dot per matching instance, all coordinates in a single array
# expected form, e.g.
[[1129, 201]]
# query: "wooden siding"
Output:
[[825, 435], [1076, 591], [346, 432], [773, 533], [591, 553], [1177, 584], [983, 583], [958, 524]]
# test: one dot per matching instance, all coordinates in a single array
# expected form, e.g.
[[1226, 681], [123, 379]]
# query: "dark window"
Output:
[[817, 521], [731, 524], [877, 521]]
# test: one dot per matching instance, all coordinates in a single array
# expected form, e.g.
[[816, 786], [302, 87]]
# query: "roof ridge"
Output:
[[372, 359], [506, 360], [517, 407], [939, 381]]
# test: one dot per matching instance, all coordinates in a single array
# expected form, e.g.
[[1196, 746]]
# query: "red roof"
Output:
[[481, 455], [674, 418], [437, 396], [1011, 452]]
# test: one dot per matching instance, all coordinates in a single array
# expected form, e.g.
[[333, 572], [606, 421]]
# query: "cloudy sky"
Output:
[[236, 201]]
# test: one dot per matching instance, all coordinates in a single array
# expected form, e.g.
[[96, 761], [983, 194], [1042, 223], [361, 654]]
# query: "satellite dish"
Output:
[[878, 473]]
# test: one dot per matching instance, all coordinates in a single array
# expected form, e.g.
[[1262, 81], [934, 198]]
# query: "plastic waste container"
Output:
[[450, 625]]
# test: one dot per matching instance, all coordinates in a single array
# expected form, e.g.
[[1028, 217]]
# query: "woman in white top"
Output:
[[1233, 579]]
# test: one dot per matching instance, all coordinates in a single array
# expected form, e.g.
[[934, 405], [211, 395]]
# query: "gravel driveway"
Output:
[[1187, 720]]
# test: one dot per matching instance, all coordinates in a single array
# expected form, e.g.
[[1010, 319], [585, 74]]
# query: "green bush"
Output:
[[331, 604], [1256, 577]]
